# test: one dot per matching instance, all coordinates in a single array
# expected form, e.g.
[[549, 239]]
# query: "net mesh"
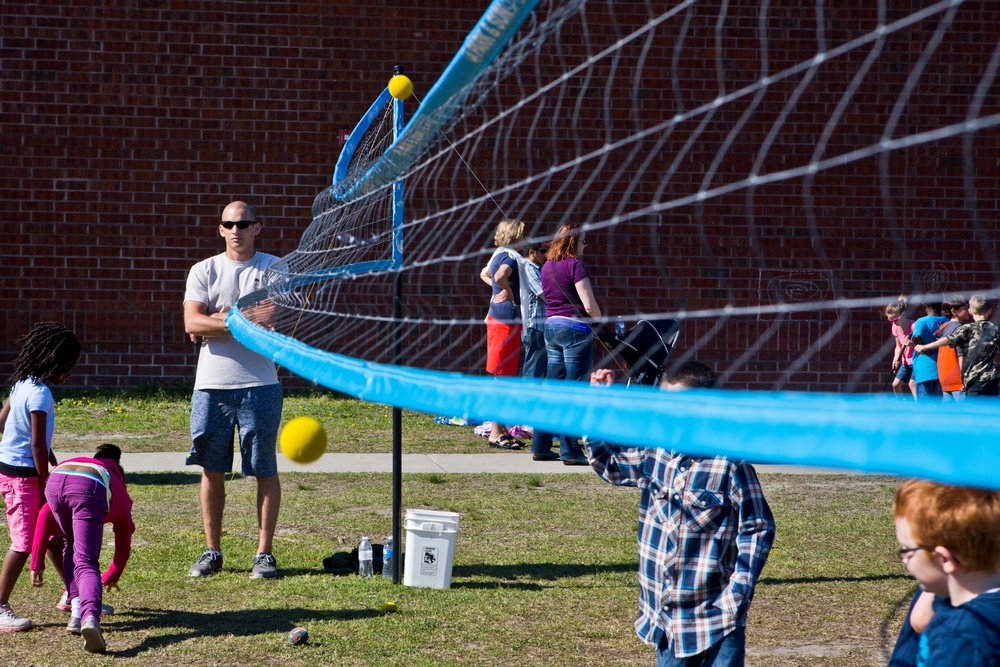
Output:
[[769, 174]]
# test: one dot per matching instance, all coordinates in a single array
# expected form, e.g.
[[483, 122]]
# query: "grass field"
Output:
[[544, 569]]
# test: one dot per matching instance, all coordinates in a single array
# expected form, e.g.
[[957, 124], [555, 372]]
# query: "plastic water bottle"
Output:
[[620, 328], [365, 569], [387, 556]]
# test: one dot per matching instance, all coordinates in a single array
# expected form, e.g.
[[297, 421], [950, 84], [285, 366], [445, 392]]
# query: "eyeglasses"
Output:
[[906, 552], [240, 224]]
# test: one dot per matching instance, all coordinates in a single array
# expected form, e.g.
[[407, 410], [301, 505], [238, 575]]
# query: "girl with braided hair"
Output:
[[48, 354]]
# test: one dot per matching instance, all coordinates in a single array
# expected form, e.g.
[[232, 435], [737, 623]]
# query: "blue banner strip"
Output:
[[853, 432]]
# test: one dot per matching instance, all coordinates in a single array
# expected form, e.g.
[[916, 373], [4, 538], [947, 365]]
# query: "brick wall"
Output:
[[125, 128]]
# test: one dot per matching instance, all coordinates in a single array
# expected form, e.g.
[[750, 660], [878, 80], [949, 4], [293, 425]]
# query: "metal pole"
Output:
[[397, 315]]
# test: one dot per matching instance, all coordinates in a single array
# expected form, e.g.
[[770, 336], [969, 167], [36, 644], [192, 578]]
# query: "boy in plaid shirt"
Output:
[[705, 530]]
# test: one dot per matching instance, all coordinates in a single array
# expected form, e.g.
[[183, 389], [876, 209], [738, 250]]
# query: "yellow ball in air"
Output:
[[303, 440], [400, 87]]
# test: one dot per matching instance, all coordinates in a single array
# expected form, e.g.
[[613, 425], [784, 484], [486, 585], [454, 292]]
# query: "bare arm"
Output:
[[198, 323], [4, 411], [502, 279], [39, 450], [486, 276], [586, 293], [940, 342]]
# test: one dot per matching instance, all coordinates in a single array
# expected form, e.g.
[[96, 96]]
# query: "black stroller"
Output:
[[645, 349]]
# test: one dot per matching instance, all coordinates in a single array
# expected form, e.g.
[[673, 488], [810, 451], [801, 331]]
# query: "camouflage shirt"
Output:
[[977, 343]]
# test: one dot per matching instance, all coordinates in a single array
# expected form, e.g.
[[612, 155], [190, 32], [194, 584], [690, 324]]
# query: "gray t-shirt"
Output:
[[219, 282]]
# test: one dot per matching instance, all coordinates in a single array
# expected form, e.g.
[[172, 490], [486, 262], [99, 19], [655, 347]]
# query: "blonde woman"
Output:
[[503, 321]]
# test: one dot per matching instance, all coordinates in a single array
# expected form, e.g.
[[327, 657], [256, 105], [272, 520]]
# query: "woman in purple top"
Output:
[[569, 340]]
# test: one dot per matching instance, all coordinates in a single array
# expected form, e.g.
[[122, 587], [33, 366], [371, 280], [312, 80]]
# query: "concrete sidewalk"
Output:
[[500, 462]]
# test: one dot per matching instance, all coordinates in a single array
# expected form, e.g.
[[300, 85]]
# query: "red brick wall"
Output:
[[126, 127]]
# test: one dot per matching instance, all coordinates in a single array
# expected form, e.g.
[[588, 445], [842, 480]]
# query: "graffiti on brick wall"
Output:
[[938, 277], [791, 286]]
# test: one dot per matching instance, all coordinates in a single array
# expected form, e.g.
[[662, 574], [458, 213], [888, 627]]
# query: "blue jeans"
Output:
[[570, 355], [535, 358], [730, 651], [929, 389]]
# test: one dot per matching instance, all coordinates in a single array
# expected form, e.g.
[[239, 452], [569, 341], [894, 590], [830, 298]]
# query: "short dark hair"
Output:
[[954, 302], [111, 453], [691, 374], [536, 244], [108, 451]]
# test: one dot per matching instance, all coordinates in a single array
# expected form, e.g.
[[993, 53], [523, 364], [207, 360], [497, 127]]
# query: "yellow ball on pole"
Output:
[[303, 440], [400, 87]]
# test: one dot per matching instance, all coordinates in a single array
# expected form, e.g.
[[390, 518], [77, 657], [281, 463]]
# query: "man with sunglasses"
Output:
[[235, 390]]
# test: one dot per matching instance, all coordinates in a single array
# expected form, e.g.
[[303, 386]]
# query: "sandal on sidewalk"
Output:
[[505, 441]]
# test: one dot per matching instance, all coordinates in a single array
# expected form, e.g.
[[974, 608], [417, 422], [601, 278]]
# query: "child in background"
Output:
[[902, 356], [48, 354], [950, 543], [949, 360], [925, 371], [83, 494], [978, 343]]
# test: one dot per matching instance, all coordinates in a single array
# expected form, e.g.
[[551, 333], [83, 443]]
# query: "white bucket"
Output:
[[430, 551], [434, 516]]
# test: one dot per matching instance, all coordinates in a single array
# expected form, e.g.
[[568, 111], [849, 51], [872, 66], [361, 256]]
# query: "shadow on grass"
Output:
[[887, 640], [165, 478], [509, 576], [767, 581], [173, 478], [185, 624]]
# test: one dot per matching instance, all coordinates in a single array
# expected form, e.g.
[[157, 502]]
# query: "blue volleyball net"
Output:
[[756, 172]]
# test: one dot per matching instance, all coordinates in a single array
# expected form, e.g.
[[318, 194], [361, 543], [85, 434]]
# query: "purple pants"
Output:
[[79, 505]]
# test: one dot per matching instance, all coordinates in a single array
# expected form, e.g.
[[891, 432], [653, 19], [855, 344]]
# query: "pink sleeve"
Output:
[[120, 517], [45, 529]]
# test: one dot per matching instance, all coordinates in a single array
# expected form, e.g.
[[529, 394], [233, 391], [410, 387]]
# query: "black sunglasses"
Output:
[[241, 224]]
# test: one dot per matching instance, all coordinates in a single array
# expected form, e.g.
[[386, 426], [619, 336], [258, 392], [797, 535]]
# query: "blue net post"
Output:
[[397, 314]]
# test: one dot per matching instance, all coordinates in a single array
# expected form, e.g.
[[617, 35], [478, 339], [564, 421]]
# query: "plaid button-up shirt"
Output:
[[705, 530]]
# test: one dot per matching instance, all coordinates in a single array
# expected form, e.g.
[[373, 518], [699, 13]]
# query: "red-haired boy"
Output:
[[950, 542]]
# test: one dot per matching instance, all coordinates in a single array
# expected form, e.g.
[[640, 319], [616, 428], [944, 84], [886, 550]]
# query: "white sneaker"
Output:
[[74, 625], [11, 622], [74, 607], [93, 640]]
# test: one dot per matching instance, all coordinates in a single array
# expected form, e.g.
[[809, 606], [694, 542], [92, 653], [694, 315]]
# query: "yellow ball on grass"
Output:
[[303, 440], [400, 87]]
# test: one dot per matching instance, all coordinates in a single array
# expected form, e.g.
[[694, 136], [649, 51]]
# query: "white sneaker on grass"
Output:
[[11, 622], [74, 607], [93, 640]]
